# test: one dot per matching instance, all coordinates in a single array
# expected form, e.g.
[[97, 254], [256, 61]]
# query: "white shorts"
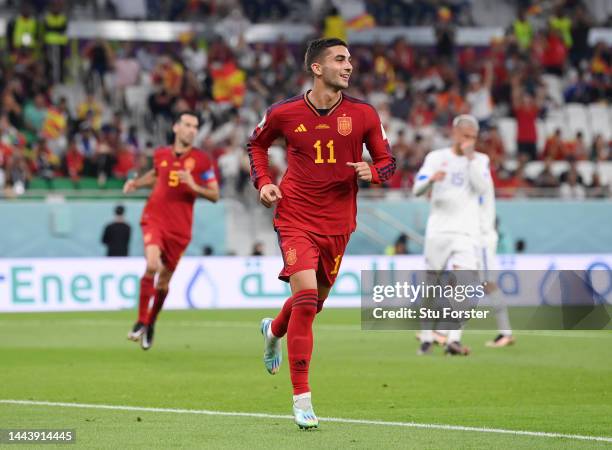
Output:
[[451, 250]]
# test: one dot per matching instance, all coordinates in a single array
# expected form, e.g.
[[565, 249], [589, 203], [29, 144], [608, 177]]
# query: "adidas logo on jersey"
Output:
[[300, 129]]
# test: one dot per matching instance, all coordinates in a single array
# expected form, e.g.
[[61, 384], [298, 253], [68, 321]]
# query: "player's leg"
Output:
[[170, 257], [161, 292], [299, 253], [300, 344], [437, 253], [464, 258], [153, 265], [504, 337]]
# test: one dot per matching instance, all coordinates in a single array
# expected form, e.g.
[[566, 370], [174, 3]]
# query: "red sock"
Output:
[[160, 296], [281, 322], [299, 338], [146, 292]]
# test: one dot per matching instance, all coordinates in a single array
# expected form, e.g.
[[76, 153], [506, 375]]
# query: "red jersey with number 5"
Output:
[[170, 205], [319, 190]]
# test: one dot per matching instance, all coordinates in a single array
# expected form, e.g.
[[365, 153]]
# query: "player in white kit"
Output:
[[456, 177], [488, 227]]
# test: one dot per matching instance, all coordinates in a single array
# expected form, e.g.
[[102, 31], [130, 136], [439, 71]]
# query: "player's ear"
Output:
[[316, 68]]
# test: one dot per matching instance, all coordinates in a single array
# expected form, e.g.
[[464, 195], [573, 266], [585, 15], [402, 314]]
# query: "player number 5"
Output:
[[330, 146], [173, 178]]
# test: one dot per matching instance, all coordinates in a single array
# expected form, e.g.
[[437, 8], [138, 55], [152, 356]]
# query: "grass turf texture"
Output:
[[552, 382]]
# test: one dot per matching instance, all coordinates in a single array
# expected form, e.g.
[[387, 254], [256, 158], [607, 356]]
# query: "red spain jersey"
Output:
[[170, 205], [319, 190]]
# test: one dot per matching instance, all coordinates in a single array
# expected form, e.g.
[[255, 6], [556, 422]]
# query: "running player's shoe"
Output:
[[273, 350], [146, 341], [502, 340], [303, 413], [137, 330], [456, 349]]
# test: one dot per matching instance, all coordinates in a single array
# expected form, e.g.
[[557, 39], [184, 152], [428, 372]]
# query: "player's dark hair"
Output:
[[317, 48], [119, 210], [180, 115]]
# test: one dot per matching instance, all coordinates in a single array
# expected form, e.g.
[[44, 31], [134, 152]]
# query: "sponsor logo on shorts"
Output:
[[291, 256]]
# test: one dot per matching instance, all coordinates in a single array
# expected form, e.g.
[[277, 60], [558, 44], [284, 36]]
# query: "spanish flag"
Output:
[[228, 83], [361, 22], [54, 125]]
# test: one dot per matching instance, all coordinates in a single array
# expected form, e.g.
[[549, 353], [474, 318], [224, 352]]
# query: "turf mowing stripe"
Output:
[[431, 426]]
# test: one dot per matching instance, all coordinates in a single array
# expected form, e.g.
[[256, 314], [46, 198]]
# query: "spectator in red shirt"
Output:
[[125, 162], [554, 148], [402, 56], [554, 54], [493, 145], [526, 111], [576, 150], [74, 162]]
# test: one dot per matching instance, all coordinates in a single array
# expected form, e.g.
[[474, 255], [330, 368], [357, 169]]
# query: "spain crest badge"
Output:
[[189, 164], [345, 125], [291, 256]]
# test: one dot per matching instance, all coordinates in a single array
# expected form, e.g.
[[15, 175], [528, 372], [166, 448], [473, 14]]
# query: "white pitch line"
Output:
[[595, 334], [430, 426]]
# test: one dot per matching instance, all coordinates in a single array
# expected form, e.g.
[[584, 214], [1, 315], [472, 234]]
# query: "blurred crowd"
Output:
[[103, 119]]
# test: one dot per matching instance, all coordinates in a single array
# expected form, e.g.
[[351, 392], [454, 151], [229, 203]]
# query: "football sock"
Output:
[[299, 338], [146, 292], [279, 325], [158, 303]]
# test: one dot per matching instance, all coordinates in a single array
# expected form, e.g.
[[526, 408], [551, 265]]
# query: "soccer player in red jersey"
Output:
[[316, 202], [180, 174]]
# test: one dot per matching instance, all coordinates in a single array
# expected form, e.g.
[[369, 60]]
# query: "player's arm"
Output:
[[383, 163], [427, 176], [146, 180], [264, 134], [210, 188], [479, 175]]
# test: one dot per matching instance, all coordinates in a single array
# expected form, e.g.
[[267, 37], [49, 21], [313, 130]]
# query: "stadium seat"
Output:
[[507, 130], [600, 120], [554, 88], [555, 118], [578, 120]]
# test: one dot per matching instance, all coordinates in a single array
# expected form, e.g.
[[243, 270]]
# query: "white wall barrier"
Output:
[[88, 284]]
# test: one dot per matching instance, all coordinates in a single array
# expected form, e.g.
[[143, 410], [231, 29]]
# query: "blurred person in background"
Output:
[[116, 235]]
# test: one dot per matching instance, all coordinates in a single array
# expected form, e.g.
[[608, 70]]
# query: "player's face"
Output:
[[336, 67], [185, 130], [465, 134]]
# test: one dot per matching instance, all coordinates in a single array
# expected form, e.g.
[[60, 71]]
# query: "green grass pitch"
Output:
[[555, 382]]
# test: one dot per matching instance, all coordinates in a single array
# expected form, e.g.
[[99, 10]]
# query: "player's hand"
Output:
[[269, 194], [362, 169], [129, 186], [186, 177], [468, 149], [438, 176]]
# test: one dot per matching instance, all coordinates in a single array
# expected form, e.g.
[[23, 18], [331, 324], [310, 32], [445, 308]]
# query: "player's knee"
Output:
[[307, 310], [153, 267]]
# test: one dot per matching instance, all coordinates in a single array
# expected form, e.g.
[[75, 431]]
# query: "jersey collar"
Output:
[[314, 109]]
